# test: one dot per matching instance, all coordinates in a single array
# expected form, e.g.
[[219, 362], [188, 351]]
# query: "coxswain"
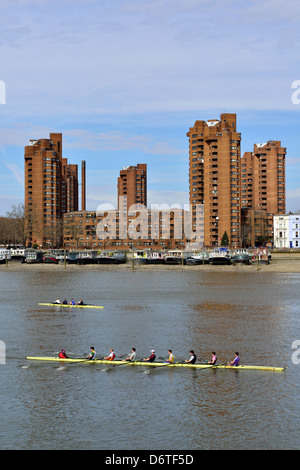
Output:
[[92, 355], [193, 358], [213, 358], [132, 356], [171, 357], [62, 354], [111, 355], [152, 356], [235, 361]]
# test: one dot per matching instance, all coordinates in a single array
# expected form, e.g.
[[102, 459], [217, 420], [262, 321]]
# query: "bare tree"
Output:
[[20, 224], [246, 234], [16, 224], [4, 231]]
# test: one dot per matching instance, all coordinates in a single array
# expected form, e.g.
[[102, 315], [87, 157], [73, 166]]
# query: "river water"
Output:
[[79, 406]]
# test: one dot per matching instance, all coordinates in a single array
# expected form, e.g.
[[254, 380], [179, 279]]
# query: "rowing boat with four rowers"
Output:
[[58, 304]]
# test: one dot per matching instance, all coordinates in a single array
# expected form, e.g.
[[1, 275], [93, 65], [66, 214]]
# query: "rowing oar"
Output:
[[80, 359], [214, 365], [209, 366], [125, 363]]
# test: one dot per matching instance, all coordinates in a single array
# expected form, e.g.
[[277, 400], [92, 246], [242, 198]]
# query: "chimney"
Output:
[[83, 192]]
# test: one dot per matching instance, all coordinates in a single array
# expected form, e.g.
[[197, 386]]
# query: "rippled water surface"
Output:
[[126, 407]]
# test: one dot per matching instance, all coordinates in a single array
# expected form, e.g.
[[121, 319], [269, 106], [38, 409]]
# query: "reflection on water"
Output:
[[256, 314]]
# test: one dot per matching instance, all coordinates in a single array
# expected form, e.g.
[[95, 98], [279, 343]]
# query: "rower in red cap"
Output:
[[62, 354]]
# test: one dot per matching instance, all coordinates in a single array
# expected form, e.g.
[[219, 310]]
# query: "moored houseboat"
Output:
[[17, 253], [33, 256], [197, 258], [87, 257], [241, 256], [50, 259], [5, 255], [71, 258], [111, 257], [219, 256], [175, 257], [156, 258]]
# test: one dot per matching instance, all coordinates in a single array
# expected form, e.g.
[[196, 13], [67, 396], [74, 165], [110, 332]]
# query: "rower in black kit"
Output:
[[152, 356]]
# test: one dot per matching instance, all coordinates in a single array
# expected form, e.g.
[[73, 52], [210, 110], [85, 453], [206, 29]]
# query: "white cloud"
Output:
[[85, 139], [135, 57], [17, 172], [85, 62], [20, 134], [115, 140]]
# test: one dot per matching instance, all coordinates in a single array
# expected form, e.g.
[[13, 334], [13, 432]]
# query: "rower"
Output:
[[72, 302], [213, 358], [80, 302], [152, 356], [62, 354], [92, 355], [111, 355], [57, 301], [193, 358], [132, 356], [65, 302], [235, 361], [171, 357]]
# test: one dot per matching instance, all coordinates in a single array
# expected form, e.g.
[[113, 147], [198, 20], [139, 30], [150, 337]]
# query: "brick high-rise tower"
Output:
[[262, 191], [214, 177], [69, 187], [51, 189], [132, 183], [263, 178]]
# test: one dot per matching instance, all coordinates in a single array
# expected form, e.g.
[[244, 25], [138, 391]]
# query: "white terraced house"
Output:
[[287, 231]]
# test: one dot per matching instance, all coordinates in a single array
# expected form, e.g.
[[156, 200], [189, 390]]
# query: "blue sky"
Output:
[[124, 80]]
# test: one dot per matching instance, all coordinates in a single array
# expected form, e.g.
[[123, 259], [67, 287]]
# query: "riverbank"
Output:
[[279, 264]]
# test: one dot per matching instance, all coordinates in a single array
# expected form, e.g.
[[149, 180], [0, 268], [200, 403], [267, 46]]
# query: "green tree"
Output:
[[225, 239]]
